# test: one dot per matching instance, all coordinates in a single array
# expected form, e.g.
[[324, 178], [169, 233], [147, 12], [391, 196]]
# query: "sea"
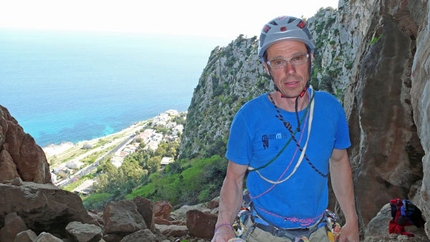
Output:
[[70, 86]]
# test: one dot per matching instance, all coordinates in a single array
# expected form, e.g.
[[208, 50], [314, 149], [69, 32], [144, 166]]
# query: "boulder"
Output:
[[43, 207], [122, 217], [84, 232], [201, 224], [19, 152]]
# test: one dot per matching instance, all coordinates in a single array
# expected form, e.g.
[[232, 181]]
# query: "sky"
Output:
[[219, 18]]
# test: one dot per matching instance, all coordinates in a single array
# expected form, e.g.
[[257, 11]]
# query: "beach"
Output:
[[57, 149]]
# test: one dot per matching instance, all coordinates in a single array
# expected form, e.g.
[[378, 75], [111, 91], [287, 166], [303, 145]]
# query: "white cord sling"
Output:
[[302, 155]]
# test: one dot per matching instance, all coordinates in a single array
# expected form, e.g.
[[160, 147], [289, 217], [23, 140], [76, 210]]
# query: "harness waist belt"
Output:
[[289, 233]]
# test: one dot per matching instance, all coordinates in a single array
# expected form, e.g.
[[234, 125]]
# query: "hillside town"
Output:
[[143, 134]]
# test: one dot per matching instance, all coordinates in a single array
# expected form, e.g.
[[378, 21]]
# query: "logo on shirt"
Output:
[[265, 138]]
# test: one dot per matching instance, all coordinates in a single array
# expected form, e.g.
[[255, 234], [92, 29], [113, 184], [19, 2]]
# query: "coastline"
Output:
[[56, 149]]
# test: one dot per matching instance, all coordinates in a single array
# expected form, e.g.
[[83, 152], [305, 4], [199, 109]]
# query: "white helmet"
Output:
[[284, 28]]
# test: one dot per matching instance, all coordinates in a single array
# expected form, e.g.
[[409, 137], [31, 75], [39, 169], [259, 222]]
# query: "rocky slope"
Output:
[[33, 209]]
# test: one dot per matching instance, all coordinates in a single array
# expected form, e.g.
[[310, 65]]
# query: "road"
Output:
[[119, 144]]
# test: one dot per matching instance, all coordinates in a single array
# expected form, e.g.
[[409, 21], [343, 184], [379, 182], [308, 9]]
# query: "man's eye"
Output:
[[298, 58], [278, 62]]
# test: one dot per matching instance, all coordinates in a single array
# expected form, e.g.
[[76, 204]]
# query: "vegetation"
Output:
[[185, 182], [181, 182], [374, 39]]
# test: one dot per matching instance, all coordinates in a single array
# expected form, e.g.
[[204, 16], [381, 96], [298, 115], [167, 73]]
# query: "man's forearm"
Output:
[[343, 186], [230, 201]]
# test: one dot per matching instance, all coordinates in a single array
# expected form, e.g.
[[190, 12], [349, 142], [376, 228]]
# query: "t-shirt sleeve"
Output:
[[342, 135], [239, 145]]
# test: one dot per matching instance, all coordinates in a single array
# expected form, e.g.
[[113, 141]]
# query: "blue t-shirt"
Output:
[[256, 138]]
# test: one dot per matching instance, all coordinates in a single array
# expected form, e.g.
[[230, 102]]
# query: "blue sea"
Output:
[[75, 86]]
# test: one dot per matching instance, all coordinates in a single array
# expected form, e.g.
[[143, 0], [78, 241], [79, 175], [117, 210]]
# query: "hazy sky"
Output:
[[221, 18]]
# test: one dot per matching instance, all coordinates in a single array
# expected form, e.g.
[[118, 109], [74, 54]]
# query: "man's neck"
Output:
[[289, 103]]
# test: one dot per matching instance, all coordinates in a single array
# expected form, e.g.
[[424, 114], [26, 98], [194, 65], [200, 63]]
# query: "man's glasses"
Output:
[[280, 63]]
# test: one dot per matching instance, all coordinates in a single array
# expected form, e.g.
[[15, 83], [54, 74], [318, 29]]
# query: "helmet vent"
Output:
[[266, 29], [273, 22], [283, 29], [291, 19], [301, 24]]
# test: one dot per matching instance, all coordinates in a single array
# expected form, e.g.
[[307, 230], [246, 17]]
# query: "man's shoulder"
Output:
[[325, 97], [259, 100]]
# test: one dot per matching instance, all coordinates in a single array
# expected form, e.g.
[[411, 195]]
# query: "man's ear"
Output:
[[266, 67]]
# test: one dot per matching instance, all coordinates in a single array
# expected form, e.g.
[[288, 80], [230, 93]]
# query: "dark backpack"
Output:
[[409, 213]]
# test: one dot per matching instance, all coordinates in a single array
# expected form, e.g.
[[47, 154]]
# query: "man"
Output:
[[290, 141]]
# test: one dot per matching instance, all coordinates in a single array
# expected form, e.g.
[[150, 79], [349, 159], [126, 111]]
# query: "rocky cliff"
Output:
[[20, 156], [374, 56]]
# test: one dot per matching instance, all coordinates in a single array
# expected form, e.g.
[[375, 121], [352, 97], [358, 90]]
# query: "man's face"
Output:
[[291, 79]]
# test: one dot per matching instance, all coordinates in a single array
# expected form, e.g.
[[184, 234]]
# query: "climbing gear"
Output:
[[296, 234], [283, 148], [284, 28], [243, 215], [292, 133], [404, 213], [333, 227], [246, 222], [288, 126]]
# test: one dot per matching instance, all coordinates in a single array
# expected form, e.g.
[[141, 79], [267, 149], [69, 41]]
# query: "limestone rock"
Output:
[[172, 230], [200, 224], [14, 224], [43, 207], [26, 236], [122, 217], [47, 237], [162, 209], [146, 208], [144, 235], [84, 232], [20, 148]]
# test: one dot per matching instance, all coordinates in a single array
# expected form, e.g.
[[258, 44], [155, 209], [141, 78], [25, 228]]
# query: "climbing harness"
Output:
[[245, 223]]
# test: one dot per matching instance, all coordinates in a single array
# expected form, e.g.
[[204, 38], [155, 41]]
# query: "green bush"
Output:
[[199, 181], [96, 201]]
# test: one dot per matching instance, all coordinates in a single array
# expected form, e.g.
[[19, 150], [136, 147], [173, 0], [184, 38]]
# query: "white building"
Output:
[[166, 160]]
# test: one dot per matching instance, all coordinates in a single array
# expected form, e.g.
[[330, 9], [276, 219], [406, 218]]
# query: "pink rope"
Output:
[[303, 222]]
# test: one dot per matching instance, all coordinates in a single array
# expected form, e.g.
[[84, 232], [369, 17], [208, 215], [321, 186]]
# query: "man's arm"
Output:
[[230, 201], [343, 187]]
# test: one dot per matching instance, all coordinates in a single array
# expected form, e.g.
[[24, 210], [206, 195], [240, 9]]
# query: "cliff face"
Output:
[[20, 156], [374, 56], [231, 77], [387, 103]]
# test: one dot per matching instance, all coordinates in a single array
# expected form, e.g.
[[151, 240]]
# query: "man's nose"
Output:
[[289, 68]]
